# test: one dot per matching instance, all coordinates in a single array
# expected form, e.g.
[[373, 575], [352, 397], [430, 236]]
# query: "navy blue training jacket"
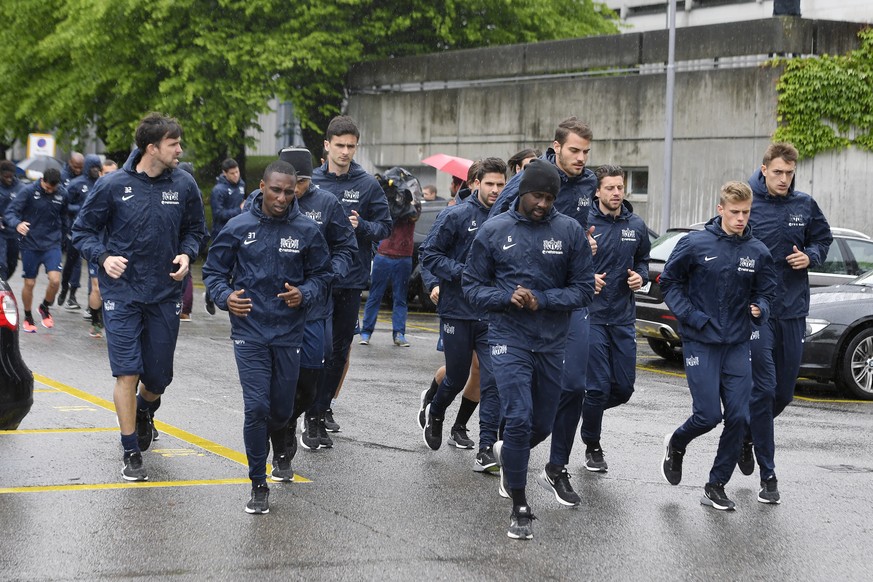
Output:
[[781, 222], [359, 191], [46, 213], [7, 193], [622, 243], [710, 280], [444, 255], [551, 257], [574, 198], [260, 254], [225, 200], [80, 186], [149, 221]]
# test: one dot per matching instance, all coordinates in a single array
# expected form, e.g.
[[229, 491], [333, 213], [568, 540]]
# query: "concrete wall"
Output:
[[494, 102]]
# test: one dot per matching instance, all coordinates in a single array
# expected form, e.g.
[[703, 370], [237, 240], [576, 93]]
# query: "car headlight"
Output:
[[813, 326]]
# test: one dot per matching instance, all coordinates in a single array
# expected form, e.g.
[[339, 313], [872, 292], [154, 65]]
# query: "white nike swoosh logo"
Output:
[[507, 247], [248, 242], [709, 258], [471, 229], [596, 235], [126, 198]]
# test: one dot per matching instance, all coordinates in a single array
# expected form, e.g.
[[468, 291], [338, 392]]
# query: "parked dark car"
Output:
[[16, 379], [850, 255], [838, 346]]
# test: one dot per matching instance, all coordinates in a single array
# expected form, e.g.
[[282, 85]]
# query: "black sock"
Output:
[[465, 411], [307, 390], [591, 446], [518, 496], [431, 392], [28, 315], [553, 469], [44, 304]]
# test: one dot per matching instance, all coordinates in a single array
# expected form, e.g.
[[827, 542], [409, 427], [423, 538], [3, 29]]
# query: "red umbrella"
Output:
[[453, 165]]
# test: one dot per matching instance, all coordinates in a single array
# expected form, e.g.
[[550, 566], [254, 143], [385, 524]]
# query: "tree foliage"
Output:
[[826, 102], [70, 66]]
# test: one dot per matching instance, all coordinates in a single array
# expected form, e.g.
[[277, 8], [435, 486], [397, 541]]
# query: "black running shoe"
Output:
[[329, 423], [133, 469], [520, 526], [208, 304], [558, 484], [458, 438], [324, 439], [72, 304], [769, 492], [502, 489], [260, 501], [433, 431], [282, 470], [747, 459], [485, 461], [422, 417], [713, 495], [144, 428], [62, 296], [155, 434], [671, 463], [594, 461], [309, 436]]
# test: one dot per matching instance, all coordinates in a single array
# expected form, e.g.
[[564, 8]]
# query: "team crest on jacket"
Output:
[[499, 350], [108, 305], [449, 329], [628, 235], [796, 220], [352, 196], [314, 215], [584, 202], [169, 197], [289, 245], [553, 247], [747, 265]]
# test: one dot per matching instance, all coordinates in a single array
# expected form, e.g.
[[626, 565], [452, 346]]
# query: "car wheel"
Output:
[[856, 365], [667, 350]]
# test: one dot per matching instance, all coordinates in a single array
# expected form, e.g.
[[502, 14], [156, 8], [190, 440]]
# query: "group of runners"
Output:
[[534, 279]]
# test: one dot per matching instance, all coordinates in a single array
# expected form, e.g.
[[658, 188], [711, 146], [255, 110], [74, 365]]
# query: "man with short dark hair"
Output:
[[38, 214], [142, 226], [530, 267], [226, 202], [366, 206], [9, 187], [798, 236], [266, 267], [717, 281], [464, 327]]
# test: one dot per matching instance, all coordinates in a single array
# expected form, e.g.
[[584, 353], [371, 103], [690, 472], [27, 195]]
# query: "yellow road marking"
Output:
[[832, 400], [662, 372], [163, 427], [58, 430], [131, 485]]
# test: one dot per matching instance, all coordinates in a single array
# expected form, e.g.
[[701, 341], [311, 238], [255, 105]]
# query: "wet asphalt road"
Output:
[[381, 506]]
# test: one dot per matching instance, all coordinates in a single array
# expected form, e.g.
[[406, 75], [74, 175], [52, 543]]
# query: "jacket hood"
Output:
[[222, 179], [626, 210], [714, 226], [759, 185], [355, 172], [134, 158], [552, 157], [91, 161]]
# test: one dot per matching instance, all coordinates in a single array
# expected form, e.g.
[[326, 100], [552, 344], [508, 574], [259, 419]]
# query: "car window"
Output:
[[834, 262], [862, 252], [665, 244]]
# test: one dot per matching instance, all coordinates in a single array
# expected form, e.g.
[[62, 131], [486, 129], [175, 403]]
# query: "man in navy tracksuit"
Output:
[[717, 281], [366, 207], [569, 154], [10, 185], [266, 267], [530, 267], [621, 266], [464, 327], [793, 227], [327, 213], [73, 168], [142, 226], [38, 213], [77, 191], [226, 202]]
